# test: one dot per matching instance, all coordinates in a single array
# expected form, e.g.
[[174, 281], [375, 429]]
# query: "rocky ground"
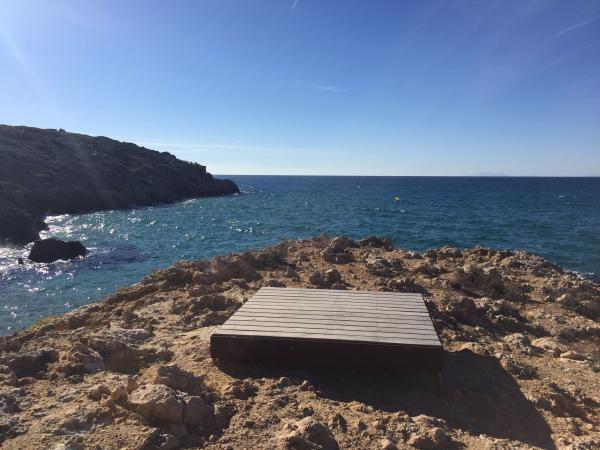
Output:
[[48, 172], [133, 371]]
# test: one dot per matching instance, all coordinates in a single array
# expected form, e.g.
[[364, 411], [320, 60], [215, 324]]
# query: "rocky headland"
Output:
[[521, 339], [45, 172]]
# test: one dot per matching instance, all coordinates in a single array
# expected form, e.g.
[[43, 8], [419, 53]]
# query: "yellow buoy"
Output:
[[397, 198]]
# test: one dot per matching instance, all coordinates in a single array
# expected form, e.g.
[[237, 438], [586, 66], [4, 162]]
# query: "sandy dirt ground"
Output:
[[521, 363]]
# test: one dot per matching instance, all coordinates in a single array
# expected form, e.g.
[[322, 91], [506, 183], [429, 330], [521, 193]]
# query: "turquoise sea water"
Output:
[[558, 218]]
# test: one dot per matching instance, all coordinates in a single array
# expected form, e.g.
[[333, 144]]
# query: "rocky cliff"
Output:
[[44, 172], [521, 364]]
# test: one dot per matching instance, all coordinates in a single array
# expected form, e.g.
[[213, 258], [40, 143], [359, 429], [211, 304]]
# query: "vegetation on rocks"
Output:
[[133, 371]]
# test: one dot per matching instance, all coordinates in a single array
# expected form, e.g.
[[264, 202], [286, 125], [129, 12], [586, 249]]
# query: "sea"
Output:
[[558, 218]]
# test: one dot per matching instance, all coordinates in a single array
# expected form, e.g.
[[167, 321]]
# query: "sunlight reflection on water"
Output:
[[558, 218]]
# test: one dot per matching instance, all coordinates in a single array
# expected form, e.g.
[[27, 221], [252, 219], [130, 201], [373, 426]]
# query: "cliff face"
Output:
[[45, 172], [521, 363]]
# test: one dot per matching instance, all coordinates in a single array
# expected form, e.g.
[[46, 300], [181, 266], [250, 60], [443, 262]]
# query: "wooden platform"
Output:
[[331, 328]]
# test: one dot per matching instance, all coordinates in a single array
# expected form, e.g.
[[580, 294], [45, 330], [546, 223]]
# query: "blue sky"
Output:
[[316, 87]]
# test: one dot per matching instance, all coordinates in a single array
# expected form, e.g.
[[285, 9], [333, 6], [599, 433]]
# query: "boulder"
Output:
[[158, 403], [337, 257], [549, 344], [386, 444], [517, 368], [448, 251], [307, 433], [517, 342], [241, 389], [338, 422], [572, 354], [174, 377], [487, 281], [223, 269], [464, 311], [50, 250], [560, 404], [10, 426], [29, 362], [83, 359], [383, 267], [340, 244], [167, 441], [318, 279], [120, 348], [430, 433], [405, 284], [196, 411], [7, 376], [333, 276], [377, 242], [98, 391], [429, 438], [582, 301], [221, 415], [118, 394]]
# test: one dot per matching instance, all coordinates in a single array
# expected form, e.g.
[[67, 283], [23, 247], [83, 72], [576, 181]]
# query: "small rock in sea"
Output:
[[50, 250]]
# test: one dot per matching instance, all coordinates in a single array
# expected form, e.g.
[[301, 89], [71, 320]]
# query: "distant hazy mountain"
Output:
[[490, 174]]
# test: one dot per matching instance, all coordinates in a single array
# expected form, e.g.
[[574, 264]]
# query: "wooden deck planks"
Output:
[[328, 327]]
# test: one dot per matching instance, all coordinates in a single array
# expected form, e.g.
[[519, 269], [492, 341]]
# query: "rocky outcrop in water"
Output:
[[50, 250], [521, 363], [45, 172]]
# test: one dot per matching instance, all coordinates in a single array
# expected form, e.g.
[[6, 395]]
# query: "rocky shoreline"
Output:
[[522, 362], [48, 172]]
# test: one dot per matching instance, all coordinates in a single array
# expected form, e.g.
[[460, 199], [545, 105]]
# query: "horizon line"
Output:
[[397, 176]]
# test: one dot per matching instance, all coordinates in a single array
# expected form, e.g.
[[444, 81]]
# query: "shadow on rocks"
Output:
[[479, 396]]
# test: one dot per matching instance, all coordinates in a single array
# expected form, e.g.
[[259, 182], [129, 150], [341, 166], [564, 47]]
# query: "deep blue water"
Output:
[[558, 218]]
